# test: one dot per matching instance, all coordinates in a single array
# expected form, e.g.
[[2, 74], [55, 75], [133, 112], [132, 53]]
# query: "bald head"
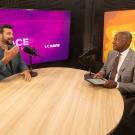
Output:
[[122, 41], [127, 35]]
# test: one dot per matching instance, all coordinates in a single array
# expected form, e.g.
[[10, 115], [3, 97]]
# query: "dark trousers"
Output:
[[127, 123]]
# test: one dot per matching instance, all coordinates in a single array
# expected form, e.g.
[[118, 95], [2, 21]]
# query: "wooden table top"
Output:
[[57, 102]]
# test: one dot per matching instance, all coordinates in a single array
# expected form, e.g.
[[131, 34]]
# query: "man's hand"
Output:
[[10, 54], [27, 75], [99, 75], [110, 84]]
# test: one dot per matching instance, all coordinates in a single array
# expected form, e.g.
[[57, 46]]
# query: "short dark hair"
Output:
[[5, 26], [127, 34]]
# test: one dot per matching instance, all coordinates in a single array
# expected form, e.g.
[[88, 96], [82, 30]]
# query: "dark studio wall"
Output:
[[118, 4]]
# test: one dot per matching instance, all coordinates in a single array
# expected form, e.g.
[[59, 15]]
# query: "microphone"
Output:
[[89, 52], [88, 55], [29, 50]]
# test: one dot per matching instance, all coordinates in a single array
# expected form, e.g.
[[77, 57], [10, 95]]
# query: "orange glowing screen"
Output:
[[115, 21]]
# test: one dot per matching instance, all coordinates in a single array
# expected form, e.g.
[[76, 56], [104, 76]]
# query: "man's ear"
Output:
[[128, 43]]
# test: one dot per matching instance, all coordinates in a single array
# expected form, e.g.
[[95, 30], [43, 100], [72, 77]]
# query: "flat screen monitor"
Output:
[[47, 31], [115, 21]]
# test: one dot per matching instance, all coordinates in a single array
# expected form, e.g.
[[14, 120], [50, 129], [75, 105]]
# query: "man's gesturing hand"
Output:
[[10, 54]]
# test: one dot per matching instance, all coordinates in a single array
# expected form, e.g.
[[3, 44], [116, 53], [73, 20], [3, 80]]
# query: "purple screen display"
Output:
[[46, 31]]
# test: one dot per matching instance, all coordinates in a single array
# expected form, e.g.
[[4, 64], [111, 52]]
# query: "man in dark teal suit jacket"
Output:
[[11, 61]]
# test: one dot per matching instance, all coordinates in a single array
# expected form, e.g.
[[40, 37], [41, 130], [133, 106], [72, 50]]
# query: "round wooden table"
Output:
[[57, 102]]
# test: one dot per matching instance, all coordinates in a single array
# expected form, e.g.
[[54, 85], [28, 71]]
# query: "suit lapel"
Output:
[[112, 60], [125, 63]]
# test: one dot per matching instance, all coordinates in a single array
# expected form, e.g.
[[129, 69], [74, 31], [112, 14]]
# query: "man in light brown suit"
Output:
[[119, 69]]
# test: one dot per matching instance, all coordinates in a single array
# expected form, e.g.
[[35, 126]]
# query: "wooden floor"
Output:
[[57, 102]]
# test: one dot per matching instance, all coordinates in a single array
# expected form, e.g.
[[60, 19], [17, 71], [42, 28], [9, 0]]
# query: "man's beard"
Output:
[[8, 41]]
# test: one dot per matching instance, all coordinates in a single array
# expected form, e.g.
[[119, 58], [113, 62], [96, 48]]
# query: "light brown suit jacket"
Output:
[[126, 75]]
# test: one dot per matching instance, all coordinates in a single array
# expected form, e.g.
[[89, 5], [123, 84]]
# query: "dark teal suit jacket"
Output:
[[16, 65]]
